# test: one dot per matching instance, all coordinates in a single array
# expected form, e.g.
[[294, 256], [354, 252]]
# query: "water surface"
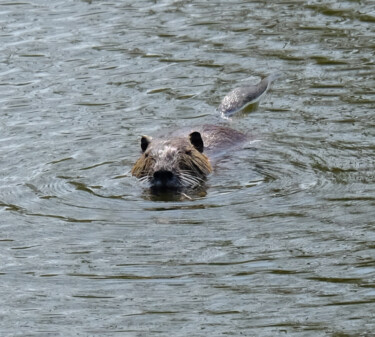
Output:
[[282, 240]]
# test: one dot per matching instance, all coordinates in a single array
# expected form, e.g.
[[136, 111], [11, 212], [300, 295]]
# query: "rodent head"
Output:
[[172, 164]]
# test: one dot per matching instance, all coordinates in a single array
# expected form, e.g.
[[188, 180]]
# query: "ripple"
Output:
[[281, 239]]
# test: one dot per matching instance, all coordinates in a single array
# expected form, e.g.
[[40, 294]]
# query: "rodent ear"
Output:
[[196, 140], [145, 142]]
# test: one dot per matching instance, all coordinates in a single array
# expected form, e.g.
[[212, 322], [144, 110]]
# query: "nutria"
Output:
[[181, 160]]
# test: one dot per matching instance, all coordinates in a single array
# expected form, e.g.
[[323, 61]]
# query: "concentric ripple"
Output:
[[280, 241]]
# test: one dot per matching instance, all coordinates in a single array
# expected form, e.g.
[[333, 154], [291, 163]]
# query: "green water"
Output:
[[282, 240]]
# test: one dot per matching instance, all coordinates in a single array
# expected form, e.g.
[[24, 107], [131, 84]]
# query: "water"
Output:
[[282, 240]]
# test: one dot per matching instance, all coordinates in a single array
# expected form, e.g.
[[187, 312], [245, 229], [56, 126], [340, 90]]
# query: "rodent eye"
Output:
[[188, 152], [146, 155]]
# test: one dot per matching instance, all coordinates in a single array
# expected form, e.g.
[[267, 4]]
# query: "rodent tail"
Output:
[[241, 97]]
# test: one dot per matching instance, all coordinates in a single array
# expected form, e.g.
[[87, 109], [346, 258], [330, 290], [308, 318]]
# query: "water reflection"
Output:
[[280, 241]]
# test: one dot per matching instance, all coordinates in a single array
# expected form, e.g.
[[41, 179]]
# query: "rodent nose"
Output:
[[163, 175]]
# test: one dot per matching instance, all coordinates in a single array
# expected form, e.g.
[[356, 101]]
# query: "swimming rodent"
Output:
[[182, 160]]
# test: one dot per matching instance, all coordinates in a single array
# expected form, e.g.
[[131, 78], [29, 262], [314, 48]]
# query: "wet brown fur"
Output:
[[179, 161], [177, 155]]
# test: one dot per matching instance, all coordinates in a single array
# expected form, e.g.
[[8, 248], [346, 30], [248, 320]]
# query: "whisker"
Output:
[[145, 180], [187, 180], [189, 175]]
